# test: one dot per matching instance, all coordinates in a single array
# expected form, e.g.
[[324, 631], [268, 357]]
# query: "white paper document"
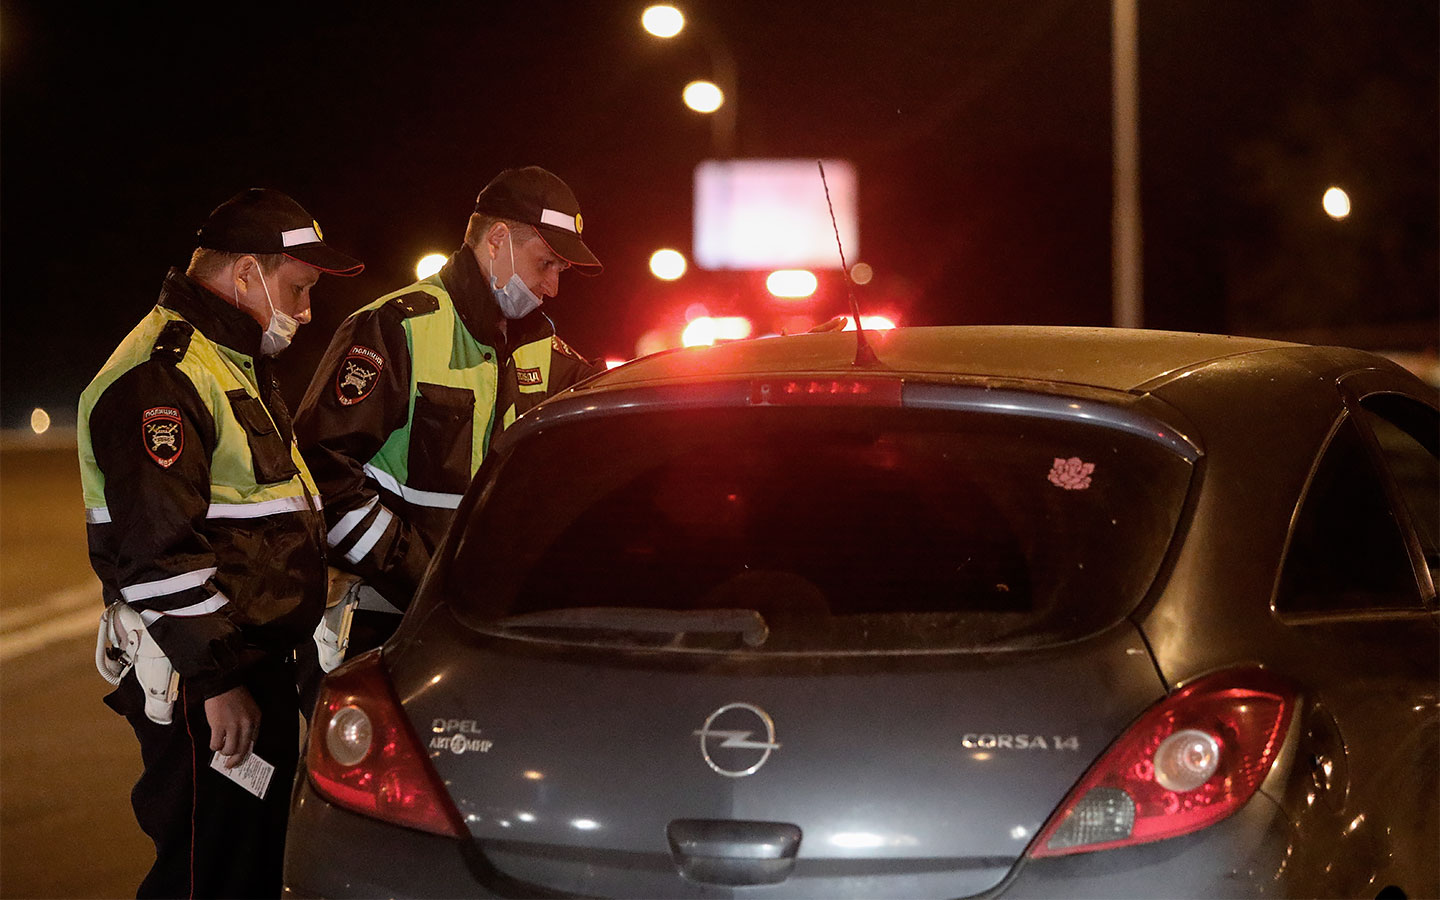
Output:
[[253, 774]]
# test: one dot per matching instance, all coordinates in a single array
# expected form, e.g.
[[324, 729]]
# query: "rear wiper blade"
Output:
[[747, 623]]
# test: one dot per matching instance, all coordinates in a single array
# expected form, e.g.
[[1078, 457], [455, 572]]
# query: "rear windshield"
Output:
[[845, 529]]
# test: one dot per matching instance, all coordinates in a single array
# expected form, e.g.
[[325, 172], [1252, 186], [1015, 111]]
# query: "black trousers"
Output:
[[212, 837]]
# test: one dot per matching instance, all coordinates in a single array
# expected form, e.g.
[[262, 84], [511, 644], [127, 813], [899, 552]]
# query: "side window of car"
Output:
[[1409, 437], [1346, 552]]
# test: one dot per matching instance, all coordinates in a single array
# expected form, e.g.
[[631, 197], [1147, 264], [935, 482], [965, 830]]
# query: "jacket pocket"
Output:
[[269, 452], [441, 435]]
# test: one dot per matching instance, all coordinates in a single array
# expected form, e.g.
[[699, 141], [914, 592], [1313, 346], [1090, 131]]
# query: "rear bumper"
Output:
[[335, 853]]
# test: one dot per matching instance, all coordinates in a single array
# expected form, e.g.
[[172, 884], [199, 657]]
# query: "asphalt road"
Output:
[[67, 762]]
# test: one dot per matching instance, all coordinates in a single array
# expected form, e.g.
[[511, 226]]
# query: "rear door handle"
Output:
[[730, 852]]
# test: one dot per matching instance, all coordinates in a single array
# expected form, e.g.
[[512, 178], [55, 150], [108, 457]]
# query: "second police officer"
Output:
[[415, 385]]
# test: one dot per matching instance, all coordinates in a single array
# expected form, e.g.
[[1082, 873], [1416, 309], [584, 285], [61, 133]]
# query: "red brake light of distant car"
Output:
[[826, 392], [364, 756], [1188, 762]]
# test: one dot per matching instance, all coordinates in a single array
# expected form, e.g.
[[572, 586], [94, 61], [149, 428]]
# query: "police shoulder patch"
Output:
[[163, 434], [564, 349], [357, 375]]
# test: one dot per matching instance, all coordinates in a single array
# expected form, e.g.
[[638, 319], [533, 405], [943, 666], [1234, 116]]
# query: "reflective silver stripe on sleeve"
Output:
[[256, 510], [410, 495], [371, 535], [172, 585], [97, 515], [216, 601], [348, 522]]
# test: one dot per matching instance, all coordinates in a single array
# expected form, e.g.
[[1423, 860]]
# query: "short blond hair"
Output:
[[480, 225], [208, 264]]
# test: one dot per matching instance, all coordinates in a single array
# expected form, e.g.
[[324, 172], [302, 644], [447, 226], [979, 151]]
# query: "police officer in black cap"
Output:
[[415, 385], [204, 526]]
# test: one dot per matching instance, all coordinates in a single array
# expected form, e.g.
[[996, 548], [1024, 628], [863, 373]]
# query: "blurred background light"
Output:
[[662, 20], [708, 330], [39, 421], [703, 96], [792, 283], [653, 341], [773, 214], [429, 264], [1336, 203], [861, 273], [667, 264], [872, 323]]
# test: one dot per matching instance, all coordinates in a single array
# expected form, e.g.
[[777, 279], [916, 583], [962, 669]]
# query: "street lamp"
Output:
[[429, 264], [665, 21], [1336, 203]]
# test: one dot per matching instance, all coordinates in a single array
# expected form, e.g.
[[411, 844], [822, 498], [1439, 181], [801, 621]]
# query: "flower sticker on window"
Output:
[[1071, 474]]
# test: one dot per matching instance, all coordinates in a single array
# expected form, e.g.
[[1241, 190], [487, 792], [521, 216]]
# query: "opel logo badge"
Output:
[[727, 735]]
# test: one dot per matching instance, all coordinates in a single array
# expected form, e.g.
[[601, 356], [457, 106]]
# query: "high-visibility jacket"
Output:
[[402, 410], [200, 512]]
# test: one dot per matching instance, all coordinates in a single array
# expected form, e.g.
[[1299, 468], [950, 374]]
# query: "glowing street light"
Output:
[[1336, 203], [703, 96], [429, 264], [39, 421], [792, 283], [667, 265], [662, 20]]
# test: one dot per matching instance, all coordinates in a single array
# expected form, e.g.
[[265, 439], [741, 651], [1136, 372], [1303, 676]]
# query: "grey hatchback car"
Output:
[[1010, 611]]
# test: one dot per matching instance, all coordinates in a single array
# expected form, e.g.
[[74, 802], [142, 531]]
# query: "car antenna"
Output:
[[864, 356]]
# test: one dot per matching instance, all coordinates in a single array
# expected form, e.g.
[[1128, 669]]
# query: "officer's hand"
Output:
[[836, 324], [234, 721]]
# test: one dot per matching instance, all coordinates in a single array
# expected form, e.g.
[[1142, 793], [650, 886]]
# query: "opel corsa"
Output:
[[1003, 612]]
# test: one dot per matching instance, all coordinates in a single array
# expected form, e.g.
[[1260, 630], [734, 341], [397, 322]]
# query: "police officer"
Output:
[[415, 385], [205, 529]]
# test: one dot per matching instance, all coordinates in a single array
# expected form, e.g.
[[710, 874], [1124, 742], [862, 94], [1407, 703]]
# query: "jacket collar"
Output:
[[211, 315]]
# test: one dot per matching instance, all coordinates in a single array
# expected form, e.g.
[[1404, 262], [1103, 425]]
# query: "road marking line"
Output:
[[65, 621], [64, 601]]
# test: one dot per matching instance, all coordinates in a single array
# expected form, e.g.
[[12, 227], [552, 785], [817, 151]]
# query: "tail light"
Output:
[[840, 391], [364, 756], [1188, 762]]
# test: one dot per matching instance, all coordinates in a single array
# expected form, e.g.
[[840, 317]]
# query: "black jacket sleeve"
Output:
[[359, 395], [153, 438]]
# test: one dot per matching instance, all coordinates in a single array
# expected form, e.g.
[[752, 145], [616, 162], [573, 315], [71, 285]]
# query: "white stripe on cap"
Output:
[[296, 236], [558, 219]]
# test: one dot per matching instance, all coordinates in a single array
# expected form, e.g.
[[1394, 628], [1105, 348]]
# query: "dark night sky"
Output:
[[980, 131]]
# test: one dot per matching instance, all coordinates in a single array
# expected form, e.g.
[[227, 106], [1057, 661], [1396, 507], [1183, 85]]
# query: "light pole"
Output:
[[1125, 236]]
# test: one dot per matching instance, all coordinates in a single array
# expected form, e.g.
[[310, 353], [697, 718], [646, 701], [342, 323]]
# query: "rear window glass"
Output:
[[845, 529]]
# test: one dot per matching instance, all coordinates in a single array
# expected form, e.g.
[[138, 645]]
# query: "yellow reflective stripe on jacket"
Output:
[[213, 369]]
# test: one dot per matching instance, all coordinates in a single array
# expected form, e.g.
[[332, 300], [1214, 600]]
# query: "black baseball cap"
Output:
[[539, 198], [261, 220]]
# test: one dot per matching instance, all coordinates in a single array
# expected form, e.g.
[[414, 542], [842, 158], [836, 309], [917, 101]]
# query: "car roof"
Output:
[[1108, 358]]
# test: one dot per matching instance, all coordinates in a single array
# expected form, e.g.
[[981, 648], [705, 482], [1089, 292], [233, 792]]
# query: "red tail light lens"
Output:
[[1188, 762], [363, 755]]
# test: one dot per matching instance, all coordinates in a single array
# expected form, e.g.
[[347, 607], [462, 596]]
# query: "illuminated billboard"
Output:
[[771, 214]]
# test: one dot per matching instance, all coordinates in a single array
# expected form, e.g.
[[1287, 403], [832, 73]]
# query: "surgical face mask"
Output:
[[516, 299], [281, 330]]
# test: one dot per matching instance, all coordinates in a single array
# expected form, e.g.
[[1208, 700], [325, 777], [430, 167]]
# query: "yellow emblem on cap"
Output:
[[318, 234], [579, 224]]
